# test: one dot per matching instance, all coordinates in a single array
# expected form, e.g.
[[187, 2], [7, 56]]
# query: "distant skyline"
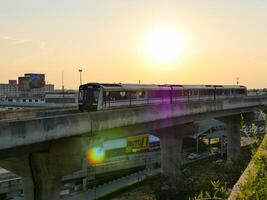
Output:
[[222, 40]]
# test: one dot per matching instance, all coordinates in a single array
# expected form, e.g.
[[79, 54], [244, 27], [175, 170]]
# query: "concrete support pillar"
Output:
[[47, 188], [233, 125], [43, 188], [42, 172], [28, 188], [171, 155]]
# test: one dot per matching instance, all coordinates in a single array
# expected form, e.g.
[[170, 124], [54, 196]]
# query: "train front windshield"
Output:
[[88, 98], [82, 95]]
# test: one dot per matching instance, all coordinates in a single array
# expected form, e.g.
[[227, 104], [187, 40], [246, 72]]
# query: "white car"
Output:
[[213, 153], [193, 156]]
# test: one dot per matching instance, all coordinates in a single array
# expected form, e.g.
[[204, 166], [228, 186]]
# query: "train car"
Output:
[[101, 96]]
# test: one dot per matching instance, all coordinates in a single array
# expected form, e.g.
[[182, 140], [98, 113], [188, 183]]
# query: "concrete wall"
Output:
[[18, 114], [30, 113], [137, 119]]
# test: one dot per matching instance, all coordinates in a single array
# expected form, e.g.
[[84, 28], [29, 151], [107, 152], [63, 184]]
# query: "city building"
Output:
[[9, 89], [30, 85]]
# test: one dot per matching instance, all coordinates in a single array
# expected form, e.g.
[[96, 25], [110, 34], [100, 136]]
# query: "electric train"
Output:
[[102, 96]]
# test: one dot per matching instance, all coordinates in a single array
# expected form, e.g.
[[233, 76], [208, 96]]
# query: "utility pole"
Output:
[[62, 82], [80, 70], [63, 89]]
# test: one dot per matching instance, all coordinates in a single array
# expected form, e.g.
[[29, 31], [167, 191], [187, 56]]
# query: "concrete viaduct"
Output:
[[42, 150]]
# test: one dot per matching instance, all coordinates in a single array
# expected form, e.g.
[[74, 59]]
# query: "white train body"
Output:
[[97, 96]]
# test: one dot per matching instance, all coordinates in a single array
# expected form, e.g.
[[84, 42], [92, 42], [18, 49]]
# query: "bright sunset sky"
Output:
[[206, 41]]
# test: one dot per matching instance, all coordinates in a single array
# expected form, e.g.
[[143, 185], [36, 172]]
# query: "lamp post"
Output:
[[80, 70]]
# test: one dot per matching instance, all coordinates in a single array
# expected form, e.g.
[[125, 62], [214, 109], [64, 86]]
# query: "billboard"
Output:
[[36, 80], [29, 81], [137, 143]]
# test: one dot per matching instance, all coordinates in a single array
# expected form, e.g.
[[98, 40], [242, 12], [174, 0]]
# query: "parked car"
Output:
[[193, 156]]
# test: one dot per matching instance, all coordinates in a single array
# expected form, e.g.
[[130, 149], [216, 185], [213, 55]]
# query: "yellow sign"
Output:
[[137, 143]]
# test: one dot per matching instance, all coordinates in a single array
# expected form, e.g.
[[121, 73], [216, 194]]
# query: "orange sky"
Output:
[[223, 40]]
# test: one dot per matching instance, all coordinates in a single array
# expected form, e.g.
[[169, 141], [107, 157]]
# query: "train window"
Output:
[[165, 93], [105, 95], [207, 92], [116, 95], [81, 95], [219, 92], [138, 95], [186, 93], [226, 92], [177, 93], [190, 92], [158, 94], [154, 94], [211, 92], [95, 96], [123, 94], [240, 91], [141, 94], [201, 92], [135, 95]]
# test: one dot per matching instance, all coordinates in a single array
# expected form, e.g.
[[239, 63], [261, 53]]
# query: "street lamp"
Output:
[[80, 70]]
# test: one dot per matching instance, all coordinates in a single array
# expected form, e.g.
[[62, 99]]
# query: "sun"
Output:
[[164, 45]]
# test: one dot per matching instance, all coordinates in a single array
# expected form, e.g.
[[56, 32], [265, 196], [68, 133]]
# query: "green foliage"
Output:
[[253, 134], [218, 191], [214, 180], [235, 167], [256, 185], [162, 188]]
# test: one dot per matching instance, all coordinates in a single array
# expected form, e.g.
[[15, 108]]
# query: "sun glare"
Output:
[[164, 45]]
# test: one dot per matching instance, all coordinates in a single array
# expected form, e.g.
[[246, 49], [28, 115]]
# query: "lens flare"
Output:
[[96, 155]]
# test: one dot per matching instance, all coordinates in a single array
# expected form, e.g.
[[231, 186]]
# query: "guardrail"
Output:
[[10, 185], [133, 161], [31, 113]]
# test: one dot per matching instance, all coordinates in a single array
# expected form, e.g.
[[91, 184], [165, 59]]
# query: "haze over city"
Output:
[[133, 99], [211, 42]]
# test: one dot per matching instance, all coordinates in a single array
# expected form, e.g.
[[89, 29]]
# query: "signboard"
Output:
[[36, 80], [30, 81], [137, 143]]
